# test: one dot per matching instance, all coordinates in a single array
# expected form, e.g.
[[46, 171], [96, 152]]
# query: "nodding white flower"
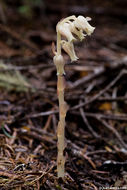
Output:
[[69, 49], [82, 23], [64, 29], [59, 62], [77, 32], [71, 28]]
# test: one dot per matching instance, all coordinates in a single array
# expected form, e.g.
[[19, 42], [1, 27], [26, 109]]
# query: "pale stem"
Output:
[[58, 43], [62, 115], [61, 127]]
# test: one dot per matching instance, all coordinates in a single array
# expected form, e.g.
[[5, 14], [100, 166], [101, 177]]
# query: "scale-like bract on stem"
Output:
[[71, 28]]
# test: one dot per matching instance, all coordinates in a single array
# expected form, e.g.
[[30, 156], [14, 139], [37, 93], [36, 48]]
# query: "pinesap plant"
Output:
[[68, 30]]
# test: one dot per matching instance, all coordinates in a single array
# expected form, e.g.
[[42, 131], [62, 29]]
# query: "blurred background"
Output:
[[35, 20], [27, 29]]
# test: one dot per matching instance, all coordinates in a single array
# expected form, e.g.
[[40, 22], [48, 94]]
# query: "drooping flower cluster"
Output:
[[72, 29]]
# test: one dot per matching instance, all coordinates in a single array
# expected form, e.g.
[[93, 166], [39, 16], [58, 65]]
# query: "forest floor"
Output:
[[96, 92]]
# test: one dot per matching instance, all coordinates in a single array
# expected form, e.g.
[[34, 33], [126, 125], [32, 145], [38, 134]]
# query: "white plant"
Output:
[[71, 29]]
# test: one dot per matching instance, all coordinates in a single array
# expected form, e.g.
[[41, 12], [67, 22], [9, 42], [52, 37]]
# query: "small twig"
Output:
[[100, 71], [41, 131], [87, 124], [114, 131], [100, 152], [36, 136], [7, 174], [123, 72], [91, 184], [42, 114], [43, 174], [75, 151], [87, 78], [112, 99], [120, 117]]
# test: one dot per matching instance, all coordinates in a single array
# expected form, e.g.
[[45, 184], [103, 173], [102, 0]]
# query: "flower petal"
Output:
[[82, 23], [69, 49], [64, 29]]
